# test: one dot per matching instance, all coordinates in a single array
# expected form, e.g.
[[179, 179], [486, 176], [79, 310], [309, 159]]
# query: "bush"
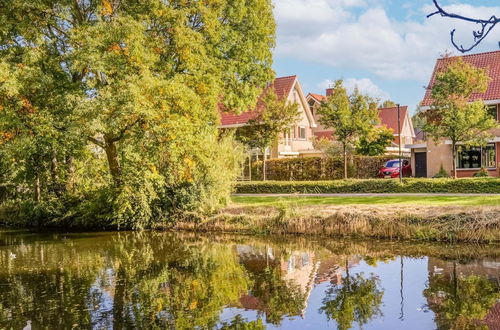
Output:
[[465, 185], [482, 173], [442, 173], [319, 168]]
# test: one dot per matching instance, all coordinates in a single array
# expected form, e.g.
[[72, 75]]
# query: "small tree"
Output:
[[350, 117], [452, 116], [389, 104], [274, 115], [374, 142]]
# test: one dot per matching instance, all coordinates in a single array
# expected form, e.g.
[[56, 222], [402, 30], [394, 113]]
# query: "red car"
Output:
[[391, 169]]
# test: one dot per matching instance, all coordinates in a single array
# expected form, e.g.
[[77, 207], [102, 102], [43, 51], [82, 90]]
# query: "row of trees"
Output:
[[109, 108]]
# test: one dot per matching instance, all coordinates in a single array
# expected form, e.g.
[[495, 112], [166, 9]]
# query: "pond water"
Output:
[[182, 281]]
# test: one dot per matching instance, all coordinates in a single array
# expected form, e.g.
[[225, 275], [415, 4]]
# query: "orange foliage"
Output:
[[27, 105], [107, 8]]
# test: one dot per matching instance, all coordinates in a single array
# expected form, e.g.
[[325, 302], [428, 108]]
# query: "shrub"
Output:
[[319, 168], [442, 173], [465, 185], [483, 172]]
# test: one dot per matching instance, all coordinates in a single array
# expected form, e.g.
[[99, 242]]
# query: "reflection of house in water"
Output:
[[301, 269], [333, 269], [296, 269], [489, 269]]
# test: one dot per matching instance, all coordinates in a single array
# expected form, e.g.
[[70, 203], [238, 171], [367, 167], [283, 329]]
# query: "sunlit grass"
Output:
[[371, 200]]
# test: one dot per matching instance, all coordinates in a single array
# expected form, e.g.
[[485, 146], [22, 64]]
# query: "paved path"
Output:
[[368, 195]]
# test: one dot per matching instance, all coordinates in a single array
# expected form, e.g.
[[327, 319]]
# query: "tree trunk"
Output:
[[70, 182], [264, 164], [345, 160], [113, 160], [454, 165], [37, 187], [54, 166]]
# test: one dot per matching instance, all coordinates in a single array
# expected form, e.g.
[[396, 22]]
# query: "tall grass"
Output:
[[450, 224]]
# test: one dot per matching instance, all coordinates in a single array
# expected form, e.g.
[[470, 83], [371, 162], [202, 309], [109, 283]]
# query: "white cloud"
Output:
[[364, 85], [332, 33]]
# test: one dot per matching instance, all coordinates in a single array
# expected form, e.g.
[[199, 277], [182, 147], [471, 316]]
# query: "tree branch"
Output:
[[95, 141], [486, 26]]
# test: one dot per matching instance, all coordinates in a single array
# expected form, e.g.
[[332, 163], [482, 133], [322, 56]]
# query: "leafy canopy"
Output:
[[116, 101], [452, 115]]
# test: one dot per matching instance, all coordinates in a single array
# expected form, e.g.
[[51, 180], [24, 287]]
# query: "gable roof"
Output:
[[389, 117], [489, 61], [283, 86], [316, 97]]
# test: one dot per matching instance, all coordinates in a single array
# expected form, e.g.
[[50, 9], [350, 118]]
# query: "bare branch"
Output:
[[486, 26]]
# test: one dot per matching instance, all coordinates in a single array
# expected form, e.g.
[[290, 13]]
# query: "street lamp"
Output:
[[399, 136]]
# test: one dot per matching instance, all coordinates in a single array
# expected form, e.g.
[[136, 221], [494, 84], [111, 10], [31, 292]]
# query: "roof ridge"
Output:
[[292, 76], [395, 107], [469, 55]]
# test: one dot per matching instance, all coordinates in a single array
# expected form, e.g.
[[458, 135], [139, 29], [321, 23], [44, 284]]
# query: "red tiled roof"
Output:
[[489, 61], [324, 135], [318, 97], [282, 86], [389, 117]]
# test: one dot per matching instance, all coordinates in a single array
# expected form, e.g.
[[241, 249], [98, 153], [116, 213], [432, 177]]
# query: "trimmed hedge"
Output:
[[466, 185], [319, 168]]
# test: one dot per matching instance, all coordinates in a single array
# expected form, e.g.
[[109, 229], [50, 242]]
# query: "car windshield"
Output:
[[392, 163]]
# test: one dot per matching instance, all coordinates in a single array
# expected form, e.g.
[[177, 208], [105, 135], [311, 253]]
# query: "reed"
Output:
[[420, 223]]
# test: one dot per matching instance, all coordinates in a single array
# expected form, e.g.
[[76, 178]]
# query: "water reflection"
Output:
[[162, 280]]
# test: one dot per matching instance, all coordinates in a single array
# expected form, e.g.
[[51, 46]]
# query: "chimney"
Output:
[[329, 91]]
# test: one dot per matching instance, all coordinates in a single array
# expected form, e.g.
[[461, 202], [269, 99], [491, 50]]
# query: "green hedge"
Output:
[[319, 168], [466, 185]]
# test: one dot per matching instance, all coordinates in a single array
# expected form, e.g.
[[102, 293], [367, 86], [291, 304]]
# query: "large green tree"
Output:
[[128, 90], [349, 116], [452, 116]]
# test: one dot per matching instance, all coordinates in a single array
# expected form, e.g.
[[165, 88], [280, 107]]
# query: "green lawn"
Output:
[[363, 200]]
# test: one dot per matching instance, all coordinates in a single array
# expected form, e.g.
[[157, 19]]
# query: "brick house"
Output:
[[296, 141], [428, 156], [388, 117]]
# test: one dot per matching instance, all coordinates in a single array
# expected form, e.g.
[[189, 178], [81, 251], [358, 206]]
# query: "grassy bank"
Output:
[[437, 218], [493, 200]]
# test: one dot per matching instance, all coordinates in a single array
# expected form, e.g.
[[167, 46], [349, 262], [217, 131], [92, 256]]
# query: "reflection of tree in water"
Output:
[[461, 302], [186, 287], [356, 299], [239, 323], [129, 282], [276, 296]]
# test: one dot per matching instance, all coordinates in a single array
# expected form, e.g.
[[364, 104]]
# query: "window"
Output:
[[302, 133], [489, 154], [477, 157], [492, 111], [311, 105]]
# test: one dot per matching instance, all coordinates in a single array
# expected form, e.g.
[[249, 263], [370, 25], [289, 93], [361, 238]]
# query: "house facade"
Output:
[[388, 117], [296, 141], [429, 156]]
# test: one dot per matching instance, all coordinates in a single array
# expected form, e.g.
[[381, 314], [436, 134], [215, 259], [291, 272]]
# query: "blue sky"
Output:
[[385, 47]]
